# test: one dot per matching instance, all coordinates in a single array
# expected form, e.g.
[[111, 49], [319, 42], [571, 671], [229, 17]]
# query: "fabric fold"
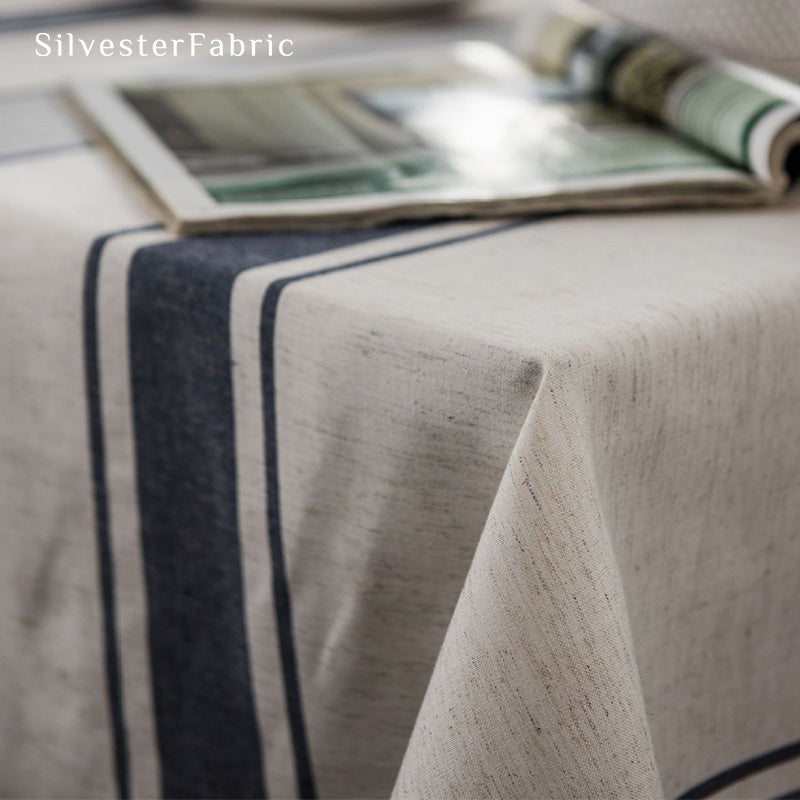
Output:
[[538, 662]]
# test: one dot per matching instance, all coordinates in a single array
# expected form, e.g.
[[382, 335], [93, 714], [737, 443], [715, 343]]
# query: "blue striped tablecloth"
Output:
[[496, 509]]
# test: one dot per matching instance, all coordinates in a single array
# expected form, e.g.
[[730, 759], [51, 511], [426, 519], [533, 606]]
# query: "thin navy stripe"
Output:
[[24, 155], [86, 14], [102, 523], [742, 770], [306, 783]]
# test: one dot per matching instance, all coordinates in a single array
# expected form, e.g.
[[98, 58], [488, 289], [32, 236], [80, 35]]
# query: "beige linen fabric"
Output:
[[634, 445], [54, 729], [564, 453]]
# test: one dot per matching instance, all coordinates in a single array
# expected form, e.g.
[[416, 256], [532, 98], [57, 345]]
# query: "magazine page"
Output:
[[748, 116]]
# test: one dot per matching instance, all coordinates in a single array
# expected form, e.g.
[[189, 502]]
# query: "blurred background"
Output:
[[765, 33], [762, 32], [33, 113]]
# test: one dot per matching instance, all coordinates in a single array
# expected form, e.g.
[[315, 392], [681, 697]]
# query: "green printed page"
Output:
[[721, 110], [440, 133]]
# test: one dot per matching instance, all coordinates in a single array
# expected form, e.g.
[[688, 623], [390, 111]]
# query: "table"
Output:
[[463, 510]]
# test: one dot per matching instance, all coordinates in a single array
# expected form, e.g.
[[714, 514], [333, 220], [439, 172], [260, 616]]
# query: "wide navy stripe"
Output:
[[744, 769], [102, 520], [179, 317], [305, 774]]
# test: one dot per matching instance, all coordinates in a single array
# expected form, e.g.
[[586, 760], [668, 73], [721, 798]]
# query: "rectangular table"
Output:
[[464, 510]]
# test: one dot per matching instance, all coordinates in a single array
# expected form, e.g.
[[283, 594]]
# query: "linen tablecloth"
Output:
[[464, 510]]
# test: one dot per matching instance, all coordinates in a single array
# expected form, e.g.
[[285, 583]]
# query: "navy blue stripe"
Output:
[[793, 794], [87, 14], [742, 770], [23, 155], [102, 524], [179, 316], [305, 775]]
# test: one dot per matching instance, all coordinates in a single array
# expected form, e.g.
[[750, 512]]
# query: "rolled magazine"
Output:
[[590, 113], [748, 116]]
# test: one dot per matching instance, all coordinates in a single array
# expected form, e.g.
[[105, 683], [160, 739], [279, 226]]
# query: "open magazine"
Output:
[[594, 115]]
